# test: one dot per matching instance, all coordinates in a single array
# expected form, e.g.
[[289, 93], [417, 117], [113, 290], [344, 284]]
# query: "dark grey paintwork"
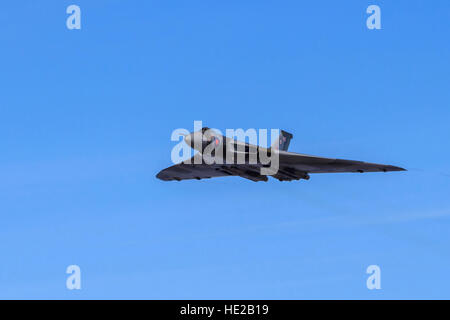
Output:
[[292, 166]]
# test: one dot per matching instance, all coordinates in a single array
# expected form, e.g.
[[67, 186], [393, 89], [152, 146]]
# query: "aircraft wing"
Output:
[[313, 164], [189, 169]]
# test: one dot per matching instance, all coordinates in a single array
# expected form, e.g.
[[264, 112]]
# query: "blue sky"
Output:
[[86, 119]]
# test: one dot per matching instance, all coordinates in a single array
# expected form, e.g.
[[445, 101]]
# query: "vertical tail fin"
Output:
[[282, 143]]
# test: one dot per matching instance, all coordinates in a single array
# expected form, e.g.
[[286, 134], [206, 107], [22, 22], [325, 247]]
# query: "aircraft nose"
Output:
[[188, 139]]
